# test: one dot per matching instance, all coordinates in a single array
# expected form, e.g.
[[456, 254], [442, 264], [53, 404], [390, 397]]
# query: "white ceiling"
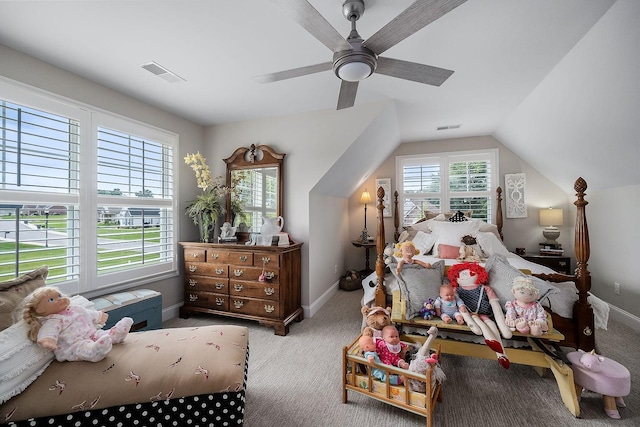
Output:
[[500, 51]]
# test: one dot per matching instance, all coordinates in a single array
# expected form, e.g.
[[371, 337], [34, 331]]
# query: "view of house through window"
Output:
[[444, 182], [86, 193]]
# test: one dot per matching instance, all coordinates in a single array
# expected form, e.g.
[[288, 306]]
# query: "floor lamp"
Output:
[[365, 199]]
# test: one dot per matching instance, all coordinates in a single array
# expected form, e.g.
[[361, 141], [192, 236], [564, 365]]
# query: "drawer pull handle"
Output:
[[216, 256], [244, 258], [193, 282], [237, 272], [269, 275], [269, 291], [219, 271], [219, 301], [238, 287], [193, 268], [238, 304], [266, 259], [587, 331], [195, 255], [219, 286], [193, 297], [269, 308]]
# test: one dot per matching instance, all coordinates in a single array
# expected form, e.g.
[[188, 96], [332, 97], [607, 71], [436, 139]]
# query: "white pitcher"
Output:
[[272, 225]]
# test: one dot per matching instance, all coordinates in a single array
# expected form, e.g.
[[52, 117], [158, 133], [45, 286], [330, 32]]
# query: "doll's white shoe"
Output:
[[120, 330]]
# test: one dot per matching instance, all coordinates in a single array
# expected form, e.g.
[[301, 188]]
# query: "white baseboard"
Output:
[[624, 317], [171, 312], [309, 311]]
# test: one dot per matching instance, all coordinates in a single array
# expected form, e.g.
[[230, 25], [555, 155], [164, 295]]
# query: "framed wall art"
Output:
[[385, 183], [515, 195]]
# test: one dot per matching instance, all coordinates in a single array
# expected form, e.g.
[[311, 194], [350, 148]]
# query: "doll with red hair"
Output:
[[483, 306]]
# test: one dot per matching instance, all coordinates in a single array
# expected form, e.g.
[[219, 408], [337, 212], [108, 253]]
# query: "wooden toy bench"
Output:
[[357, 376], [542, 353]]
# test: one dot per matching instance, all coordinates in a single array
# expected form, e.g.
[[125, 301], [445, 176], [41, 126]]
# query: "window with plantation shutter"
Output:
[[444, 182], [87, 193]]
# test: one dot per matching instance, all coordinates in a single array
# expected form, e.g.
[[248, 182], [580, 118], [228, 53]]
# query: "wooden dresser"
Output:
[[228, 280]]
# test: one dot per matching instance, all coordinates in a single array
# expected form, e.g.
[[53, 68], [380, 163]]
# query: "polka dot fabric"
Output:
[[213, 410], [458, 217]]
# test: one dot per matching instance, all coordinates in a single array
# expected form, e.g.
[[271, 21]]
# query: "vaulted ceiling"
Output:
[[510, 59]]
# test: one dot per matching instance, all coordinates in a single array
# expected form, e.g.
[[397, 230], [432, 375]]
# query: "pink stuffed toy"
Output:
[[71, 331]]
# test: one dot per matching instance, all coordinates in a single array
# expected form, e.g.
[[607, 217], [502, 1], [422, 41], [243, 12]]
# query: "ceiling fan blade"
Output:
[[412, 19], [294, 72], [412, 71], [311, 20], [347, 96]]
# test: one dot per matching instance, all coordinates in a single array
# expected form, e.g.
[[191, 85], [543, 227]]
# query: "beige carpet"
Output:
[[296, 380]]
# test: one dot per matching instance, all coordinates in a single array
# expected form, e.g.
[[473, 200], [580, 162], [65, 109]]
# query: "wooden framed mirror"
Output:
[[255, 173]]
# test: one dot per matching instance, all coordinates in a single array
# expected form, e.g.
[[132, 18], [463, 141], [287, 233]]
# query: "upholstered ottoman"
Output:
[[609, 378]]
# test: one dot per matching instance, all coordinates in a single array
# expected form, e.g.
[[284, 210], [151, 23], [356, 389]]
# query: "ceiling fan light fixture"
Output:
[[354, 71], [354, 65]]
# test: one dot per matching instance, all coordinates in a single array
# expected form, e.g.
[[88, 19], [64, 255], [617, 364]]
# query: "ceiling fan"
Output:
[[355, 59]]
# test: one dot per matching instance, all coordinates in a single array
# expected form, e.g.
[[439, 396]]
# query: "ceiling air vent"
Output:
[[448, 127], [162, 72]]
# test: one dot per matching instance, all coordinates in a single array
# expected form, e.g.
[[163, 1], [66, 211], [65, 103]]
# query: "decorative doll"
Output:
[[449, 306], [428, 310], [420, 364], [368, 347], [71, 331], [407, 252], [524, 313], [390, 349], [470, 280]]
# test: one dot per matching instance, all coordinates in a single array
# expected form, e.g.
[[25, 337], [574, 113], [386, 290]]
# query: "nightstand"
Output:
[[561, 264], [366, 245]]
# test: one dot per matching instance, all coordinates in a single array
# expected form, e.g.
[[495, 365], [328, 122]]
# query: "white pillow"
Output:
[[21, 360], [490, 244], [424, 242], [450, 233]]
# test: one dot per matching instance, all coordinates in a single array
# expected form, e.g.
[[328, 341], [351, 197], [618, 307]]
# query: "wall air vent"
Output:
[[162, 72], [448, 127]]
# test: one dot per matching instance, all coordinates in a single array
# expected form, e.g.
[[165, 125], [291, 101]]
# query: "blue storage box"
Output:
[[144, 306]]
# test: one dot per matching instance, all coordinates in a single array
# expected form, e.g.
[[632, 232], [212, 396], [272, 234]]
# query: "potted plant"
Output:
[[206, 208]]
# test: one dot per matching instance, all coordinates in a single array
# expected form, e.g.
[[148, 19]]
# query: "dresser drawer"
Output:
[[270, 260], [206, 269], [218, 285], [253, 274], [254, 290], [207, 300], [194, 254], [255, 307], [225, 256]]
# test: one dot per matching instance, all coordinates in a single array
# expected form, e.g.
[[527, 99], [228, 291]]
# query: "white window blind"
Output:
[[446, 182], [87, 193]]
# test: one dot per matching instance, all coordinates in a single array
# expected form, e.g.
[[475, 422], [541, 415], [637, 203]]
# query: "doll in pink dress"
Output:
[[390, 350], [71, 331], [524, 313]]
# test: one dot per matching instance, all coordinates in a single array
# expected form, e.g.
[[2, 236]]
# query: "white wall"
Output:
[[22, 68]]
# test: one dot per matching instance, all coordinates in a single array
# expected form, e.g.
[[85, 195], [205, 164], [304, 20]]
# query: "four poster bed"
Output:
[[565, 297]]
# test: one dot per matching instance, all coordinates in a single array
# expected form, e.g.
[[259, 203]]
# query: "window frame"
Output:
[[444, 159], [87, 199]]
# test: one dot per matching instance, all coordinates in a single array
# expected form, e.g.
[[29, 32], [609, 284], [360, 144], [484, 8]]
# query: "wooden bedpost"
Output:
[[499, 211], [381, 292], [582, 309], [396, 217]]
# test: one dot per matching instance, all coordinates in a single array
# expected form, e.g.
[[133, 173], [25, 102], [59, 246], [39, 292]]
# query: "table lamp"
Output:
[[551, 218], [365, 199]]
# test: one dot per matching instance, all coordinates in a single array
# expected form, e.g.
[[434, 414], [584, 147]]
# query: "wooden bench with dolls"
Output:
[[497, 313], [375, 364]]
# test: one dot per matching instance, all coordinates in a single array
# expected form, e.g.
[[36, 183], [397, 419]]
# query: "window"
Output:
[[85, 192], [443, 182]]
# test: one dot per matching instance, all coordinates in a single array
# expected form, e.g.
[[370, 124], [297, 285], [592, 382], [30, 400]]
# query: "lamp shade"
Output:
[[366, 197], [551, 217]]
